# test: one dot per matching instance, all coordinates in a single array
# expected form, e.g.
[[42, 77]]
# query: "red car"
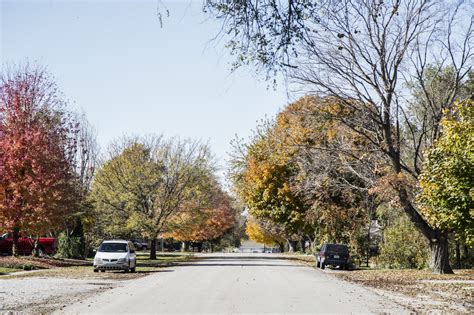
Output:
[[47, 245]]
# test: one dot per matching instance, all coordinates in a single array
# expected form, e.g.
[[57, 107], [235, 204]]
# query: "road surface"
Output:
[[237, 283]]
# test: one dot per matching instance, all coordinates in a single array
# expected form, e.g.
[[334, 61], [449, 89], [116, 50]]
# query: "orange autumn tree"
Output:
[[36, 149], [205, 218]]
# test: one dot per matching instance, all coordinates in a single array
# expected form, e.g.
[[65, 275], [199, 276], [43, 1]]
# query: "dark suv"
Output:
[[334, 255]]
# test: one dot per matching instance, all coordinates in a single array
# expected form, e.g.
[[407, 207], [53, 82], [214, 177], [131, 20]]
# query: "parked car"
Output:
[[46, 245], [140, 245], [333, 255], [115, 255]]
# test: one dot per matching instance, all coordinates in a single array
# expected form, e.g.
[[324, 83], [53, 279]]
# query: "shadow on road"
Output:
[[256, 257], [198, 264], [153, 271]]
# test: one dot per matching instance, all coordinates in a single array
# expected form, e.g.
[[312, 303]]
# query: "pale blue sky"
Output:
[[113, 61]]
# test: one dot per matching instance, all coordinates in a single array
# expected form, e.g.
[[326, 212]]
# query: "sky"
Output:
[[131, 76]]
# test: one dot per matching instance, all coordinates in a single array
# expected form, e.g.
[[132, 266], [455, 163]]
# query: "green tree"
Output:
[[447, 180], [144, 182]]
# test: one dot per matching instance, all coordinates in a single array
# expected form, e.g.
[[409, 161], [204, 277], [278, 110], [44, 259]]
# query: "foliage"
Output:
[[403, 246], [365, 54], [70, 247], [36, 153], [205, 218], [310, 166], [258, 234], [262, 180], [144, 183], [447, 180], [124, 190]]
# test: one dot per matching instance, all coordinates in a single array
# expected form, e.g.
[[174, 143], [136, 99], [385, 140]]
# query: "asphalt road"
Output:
[[237, 283]]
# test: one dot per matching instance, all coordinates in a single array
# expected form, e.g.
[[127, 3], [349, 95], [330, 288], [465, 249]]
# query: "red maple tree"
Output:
[[36, 147]]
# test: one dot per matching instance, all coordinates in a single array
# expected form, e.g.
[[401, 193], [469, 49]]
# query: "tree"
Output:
[[258, 234], [75, 242], [261, 174], [205, 218], [334, 169], [36, 149], [447, 179], [364, 53], [144, 182]]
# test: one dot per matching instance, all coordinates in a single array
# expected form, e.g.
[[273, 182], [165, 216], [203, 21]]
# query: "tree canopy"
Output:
[[37, 146], [447, 180]]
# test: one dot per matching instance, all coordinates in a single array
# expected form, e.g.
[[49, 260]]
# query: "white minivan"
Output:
[[115, 255]]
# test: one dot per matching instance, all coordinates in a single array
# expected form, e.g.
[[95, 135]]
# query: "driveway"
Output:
[[237, 283]]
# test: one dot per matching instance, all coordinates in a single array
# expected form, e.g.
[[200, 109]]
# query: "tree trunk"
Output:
[[36, 247], [466, 251], [303, 245], [367, 257], [458, 255], [439, 253], [153, 249], [16, 245], [437, 239], [185, 246], [291, 246]]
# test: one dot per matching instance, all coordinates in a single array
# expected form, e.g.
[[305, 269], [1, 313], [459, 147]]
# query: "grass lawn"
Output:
[[7, 270]]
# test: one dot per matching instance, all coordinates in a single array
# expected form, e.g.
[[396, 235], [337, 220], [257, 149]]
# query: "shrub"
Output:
[[403, 246], [70, 247]]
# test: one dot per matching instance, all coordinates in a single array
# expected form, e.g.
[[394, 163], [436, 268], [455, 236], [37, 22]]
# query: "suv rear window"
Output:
[[113, 247], [334, 248]]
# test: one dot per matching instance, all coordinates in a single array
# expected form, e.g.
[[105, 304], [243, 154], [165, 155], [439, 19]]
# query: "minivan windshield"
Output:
[[113, 247]]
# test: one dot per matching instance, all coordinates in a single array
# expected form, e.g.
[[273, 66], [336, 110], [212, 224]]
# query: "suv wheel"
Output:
[[323, 265]]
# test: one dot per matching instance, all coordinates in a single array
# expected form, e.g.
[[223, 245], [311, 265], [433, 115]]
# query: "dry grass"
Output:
[[80, 269], [32, 263], [420, 290]]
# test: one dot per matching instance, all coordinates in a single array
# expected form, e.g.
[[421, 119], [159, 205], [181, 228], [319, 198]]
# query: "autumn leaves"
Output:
[[145, 187], [38, 140], [153, 186]]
